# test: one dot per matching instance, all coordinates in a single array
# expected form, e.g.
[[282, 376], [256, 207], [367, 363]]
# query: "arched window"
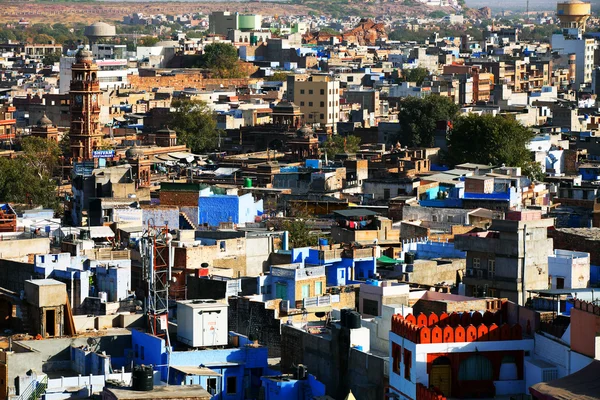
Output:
[[476, 368]]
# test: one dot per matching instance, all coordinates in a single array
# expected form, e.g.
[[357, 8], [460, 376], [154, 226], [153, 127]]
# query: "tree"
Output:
[[417, 75], [64, 145], [51, 59], [277, 77], [221, 59], [338, 144], [419, 118], [148, 41], [487, 139], [300, 234], [330, 31], [28, 178], [195, 124]]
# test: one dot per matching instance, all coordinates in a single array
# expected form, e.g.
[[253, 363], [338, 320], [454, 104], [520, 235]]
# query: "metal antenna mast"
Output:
[[157, 262]]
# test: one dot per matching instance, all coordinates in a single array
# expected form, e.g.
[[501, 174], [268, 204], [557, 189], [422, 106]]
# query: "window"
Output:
[[318, 288], [370, 307], [136, 351], [211, 385], [476, 368], [301, 104], [407, 364], [305, 291], [322, 116], [310, 91], [386, 194], [231, 385], [322, 91], [301, 91], [329, 115], [342, 274], [476, 263], [350, 79], [396, 357], [310, 103], [491, 268], [142, 352], [322, 104]]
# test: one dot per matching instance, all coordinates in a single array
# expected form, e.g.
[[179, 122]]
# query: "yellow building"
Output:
[[318, 97]]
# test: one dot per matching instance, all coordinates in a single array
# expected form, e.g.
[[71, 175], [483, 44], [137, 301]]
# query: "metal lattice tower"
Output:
[[157, 261]]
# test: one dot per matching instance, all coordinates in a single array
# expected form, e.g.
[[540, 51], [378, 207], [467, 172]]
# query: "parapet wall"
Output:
[[455, 327]]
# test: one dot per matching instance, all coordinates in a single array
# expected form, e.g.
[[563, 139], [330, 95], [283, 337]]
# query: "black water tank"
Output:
[[354, 320], [142, 378], [409, 258], [344, 316]]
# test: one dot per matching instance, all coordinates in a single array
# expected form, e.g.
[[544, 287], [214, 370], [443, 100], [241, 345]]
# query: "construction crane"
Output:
[[157, 262]]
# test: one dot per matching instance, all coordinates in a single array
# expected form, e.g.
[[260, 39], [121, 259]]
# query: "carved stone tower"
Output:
[[85, 134]]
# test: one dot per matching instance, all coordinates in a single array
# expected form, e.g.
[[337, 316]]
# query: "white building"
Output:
[[569, 269], [572, 42], [112, 74]]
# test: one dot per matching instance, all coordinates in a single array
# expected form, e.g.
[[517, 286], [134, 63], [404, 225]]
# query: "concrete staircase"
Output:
[[185, 222]]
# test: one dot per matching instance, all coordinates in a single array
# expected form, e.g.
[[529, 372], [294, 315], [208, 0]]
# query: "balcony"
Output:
[[330, 255]]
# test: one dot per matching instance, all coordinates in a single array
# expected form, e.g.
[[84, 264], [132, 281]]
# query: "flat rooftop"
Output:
[[159, 392]]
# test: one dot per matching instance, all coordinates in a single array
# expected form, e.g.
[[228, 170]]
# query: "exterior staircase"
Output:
[[185, 222], [35, 390]]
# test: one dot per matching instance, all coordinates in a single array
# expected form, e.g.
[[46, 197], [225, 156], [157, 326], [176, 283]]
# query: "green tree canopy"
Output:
[[221, 59], [417, 75], [338, 144], [28, 178], [419, 118], [51, 59], [487, 139], [195, 124], [148, 41]]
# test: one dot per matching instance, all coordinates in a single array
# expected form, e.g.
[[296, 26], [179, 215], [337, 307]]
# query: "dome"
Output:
[[44, 122], [134, 152], [83, 55], [306, 131]]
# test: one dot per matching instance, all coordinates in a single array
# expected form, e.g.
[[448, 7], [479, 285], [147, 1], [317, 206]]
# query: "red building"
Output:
[[461, 355], [7, 123]]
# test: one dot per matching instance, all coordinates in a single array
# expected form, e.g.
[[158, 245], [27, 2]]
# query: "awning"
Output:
[[582, 385], [388, 260], [188, 157], [100, 232], [199, 371]]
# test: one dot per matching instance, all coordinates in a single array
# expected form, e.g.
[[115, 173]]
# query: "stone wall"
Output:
[[570, 240], [182, 81], [367, 374], [413, 231], [248, 317], [13, 275]]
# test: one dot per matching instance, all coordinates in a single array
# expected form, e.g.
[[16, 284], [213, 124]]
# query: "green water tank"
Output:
[[247, 182]]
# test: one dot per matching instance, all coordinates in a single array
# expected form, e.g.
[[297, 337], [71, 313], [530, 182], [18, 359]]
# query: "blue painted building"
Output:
[[590, 171], [341, 268], [286, 388], [216, 208], [234, 372]]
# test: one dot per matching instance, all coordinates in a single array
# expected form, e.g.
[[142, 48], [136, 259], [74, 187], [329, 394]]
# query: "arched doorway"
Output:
[[441, 375], [476, 368]]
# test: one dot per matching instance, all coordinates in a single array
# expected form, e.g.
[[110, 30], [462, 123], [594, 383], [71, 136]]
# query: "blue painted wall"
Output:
[[233, 362], [293, 389], [216, 209]]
